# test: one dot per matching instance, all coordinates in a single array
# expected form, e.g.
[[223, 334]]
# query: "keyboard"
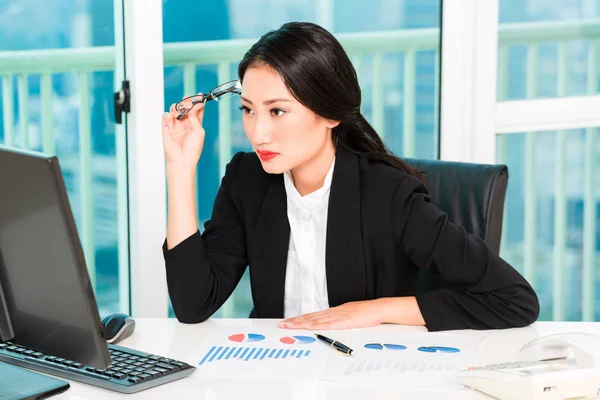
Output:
[[130, 371]]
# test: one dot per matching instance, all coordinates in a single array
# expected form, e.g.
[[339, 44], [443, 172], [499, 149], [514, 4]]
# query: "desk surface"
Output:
[[172, 339]]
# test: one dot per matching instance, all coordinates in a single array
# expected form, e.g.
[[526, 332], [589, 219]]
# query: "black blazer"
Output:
[[381, 229]]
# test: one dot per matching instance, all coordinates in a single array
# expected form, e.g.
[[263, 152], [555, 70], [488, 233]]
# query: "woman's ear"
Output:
[[331, 123]]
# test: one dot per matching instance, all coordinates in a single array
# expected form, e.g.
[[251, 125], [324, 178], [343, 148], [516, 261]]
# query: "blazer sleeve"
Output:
[[203, 270], [485, 292]]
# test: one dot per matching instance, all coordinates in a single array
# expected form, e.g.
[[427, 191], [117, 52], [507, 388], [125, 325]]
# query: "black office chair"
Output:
[[473, 197]]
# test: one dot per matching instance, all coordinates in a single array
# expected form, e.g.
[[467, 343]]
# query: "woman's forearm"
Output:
[[182, 220], [400, 310]]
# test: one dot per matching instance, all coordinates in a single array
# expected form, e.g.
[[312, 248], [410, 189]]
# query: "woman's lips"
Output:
[[266, 155]]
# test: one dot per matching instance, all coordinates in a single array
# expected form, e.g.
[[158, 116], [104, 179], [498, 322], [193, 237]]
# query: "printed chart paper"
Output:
[[261, 353], [409, 360]]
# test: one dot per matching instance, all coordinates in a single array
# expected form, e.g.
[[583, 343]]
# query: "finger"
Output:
[[196, 116], [336, 324], [307, 321], [173, 111], [309, 315], [167, 121], [302, 318]]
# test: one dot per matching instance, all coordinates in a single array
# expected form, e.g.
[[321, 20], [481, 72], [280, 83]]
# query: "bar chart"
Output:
[[236, 353]]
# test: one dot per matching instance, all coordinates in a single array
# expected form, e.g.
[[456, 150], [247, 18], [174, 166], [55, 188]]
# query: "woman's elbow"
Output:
[[190, 316], [524, 306]]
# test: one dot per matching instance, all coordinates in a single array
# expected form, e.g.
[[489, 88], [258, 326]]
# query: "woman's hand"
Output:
[[361, 314], [356, 314], [183, 139]]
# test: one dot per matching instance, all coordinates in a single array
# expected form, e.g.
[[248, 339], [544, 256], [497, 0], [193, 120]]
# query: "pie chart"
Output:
[[389, 346], [246, 337], [438, 349], [297, 339]]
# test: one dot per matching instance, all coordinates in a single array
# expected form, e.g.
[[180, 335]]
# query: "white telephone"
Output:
[[564, 366]]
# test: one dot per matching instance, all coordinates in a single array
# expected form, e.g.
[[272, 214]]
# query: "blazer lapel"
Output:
[[270, 250], [345, 266]]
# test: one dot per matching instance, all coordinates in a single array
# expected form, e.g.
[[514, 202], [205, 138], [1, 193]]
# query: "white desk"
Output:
[[172, 339]]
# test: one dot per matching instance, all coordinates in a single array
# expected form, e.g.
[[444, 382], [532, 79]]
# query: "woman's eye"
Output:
[[277, 112], [245, 109]]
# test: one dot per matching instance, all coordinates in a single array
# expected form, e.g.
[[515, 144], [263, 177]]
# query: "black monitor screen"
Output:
[[45, 284]]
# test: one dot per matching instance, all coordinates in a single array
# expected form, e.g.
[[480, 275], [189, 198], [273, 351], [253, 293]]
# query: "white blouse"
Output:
[[305, 279]]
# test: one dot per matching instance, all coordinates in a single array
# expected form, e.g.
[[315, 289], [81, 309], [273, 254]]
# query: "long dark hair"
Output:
[[319, 74]]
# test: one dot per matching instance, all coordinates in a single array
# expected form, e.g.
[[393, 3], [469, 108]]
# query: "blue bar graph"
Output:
[[230, 353], [250, 354], [224, 353], [244, 352], [215, 354], [257, 354], [208, 354], [264, 354]]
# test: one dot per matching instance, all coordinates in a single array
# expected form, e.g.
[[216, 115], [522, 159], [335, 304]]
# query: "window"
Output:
[[551, 224], [548, 48], [398, 74], [58, 72]]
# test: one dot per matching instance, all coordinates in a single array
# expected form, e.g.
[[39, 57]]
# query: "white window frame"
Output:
[[472, 118], [469, 69], [471, 115], [146, 164]]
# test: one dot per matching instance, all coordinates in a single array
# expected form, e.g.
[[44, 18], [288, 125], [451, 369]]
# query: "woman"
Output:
[[333, 226]]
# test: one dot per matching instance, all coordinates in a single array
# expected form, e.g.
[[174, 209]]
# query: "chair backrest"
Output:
[[472, 195]]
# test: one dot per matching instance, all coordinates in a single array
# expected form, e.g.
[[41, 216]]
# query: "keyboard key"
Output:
[[179, 364], [135, 379], [145, 376], [162, 370], [167, 366], [154, 373], [119, 376]]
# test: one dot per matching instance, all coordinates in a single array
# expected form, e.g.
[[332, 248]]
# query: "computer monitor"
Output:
[[47, 301]]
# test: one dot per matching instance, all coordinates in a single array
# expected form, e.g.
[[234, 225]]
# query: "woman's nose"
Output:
[[262, 131]]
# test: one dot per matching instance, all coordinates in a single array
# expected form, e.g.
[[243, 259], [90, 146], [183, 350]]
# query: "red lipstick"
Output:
[[266, 155]]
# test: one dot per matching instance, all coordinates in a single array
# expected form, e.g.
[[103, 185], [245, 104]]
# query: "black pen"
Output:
[[342, 348]]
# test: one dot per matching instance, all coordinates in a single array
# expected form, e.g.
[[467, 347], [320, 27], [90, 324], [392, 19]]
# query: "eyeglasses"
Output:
[[221, 92]]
